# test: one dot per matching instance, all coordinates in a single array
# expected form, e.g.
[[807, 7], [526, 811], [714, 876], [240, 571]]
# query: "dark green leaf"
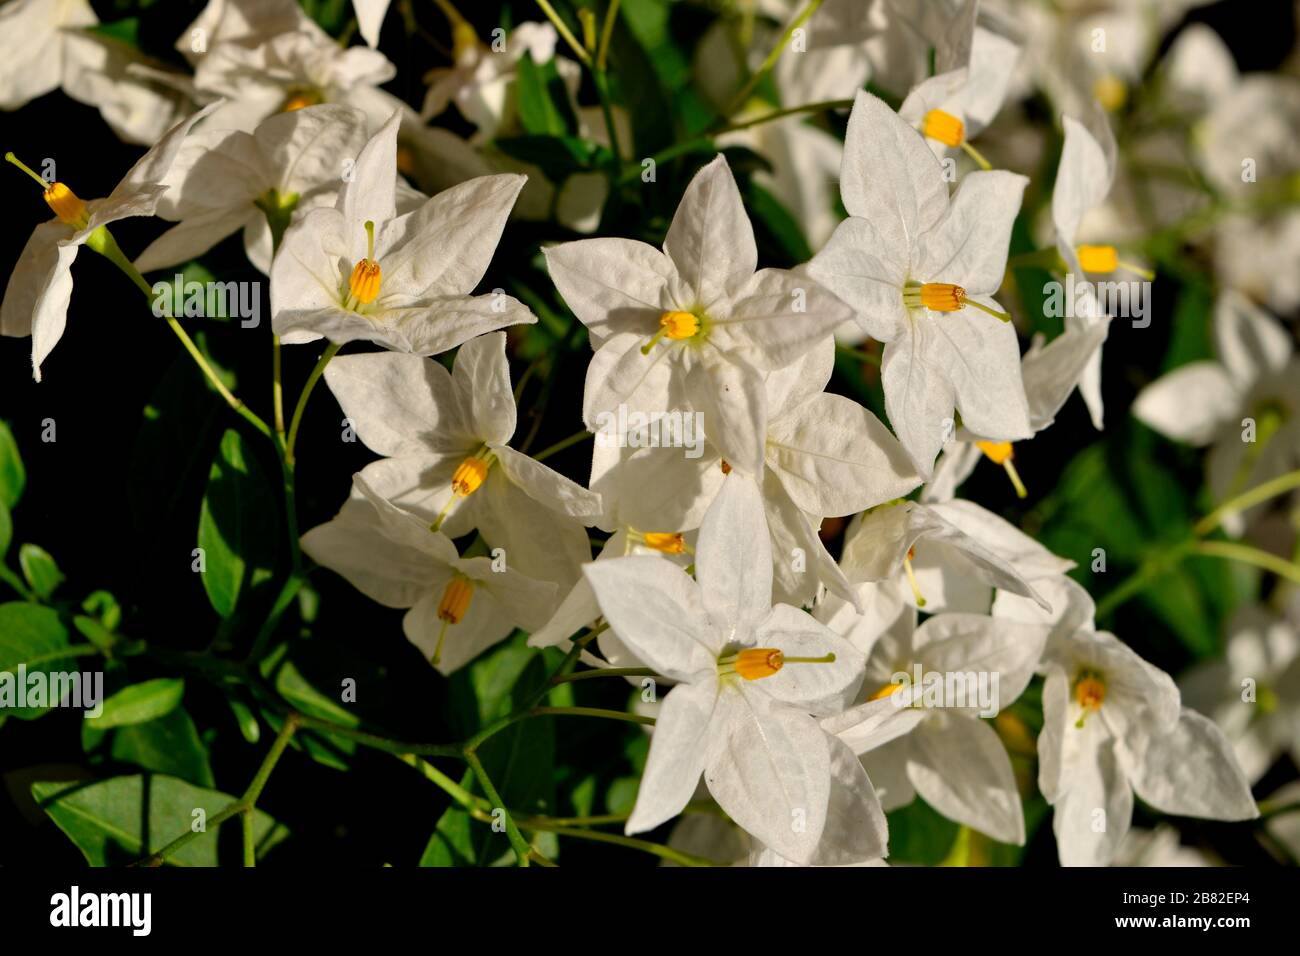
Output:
[[233, 530], [13, 477], [543, 99], [117, 821], [33, 637], [139, 703], [42, 574]]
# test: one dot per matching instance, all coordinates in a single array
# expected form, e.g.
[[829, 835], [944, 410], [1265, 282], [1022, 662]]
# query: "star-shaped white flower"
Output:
[[1114, 725], [824, 456], [40, 285], [358, 271], [226, 180], [693, 325], [458, 607], [920, 273], [748, 676], [928, 737], [447, 459]]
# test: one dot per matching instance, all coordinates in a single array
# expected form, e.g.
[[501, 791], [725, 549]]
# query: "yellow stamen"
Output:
[[1110, 91], [760, 662], [675, 325], [943, 127], [1089, 692], [944, 297], [464, 43], [66, 205], [366, 274], [665, 542], [911, 577], [726, 466], [452, 609], [300, 99], [469, 476], [1001, 453], [889, 690], [1098, 258]]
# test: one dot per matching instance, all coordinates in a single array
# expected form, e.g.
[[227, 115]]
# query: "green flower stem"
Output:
[[1162, 562], [617, 839], [563, 30], [250, 843], [559, 446], [606, 33], [592, 712], [244, 805], [747, 90], [102, 241], [330, 351], [1232, 551], [522, 847]]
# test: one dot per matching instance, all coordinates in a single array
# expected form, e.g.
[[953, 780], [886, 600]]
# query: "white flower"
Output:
[[444, 437], [1050, 373], [246, 22], [359, 271], [40, 286], [824, 456], [226, 180], [1253, 691], [920, 273], [34, 47], [458, 607], [1247, 404], [949, 109], [370, 17], [693, 325], [482, 83], [915, 738], [748, 675], [945, 556], [124, 86], [1114, 725]]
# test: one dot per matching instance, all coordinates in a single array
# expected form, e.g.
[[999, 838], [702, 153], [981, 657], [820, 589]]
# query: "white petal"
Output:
[[729, 391], [369, 195], [482, 379], [612, 285], [711, 241], [370, 18], [1251, 343], [400, 405], [968, 247], [959, 767], [919, 398], [771, 772], [819, 689], [1192, 772], [548, 487], [1083, 179], [1190, 403], [679, 750], [836, 458], [1093, 817], [776, 318], [866, 265], [855, 830], [654, 607], [733, 559]]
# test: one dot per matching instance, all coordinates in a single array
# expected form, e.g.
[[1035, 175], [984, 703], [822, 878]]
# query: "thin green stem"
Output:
[[593, 712], [617, 839], [330, 351], [606, 33], [1247, 499], [747, 90], [11, 579], [563, 30], [277, 389], [559, 446], [521, 846], [1233, 551], [250, 841], [604, 672]]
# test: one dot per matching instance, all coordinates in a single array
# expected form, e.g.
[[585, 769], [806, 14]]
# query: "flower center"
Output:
[[1002, 453], [1089, 692], [1110, 91], [725, 466], [943, 297], [300, 98], [889, 690], [66, 205], [452, 609], [664, 542], [759, 662], [1098, 258], [943, 127], [676, 325], [465, 480], [366, 279]]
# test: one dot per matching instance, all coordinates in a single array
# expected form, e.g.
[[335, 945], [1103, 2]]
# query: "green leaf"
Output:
[[13, 477], [6, 529], [543, 99], [168, 745], [452, 842], [120, 820], [557, 156], [32, 637], [233, 523], [139, 703], [298, 691], [42, 574], [919, 835]]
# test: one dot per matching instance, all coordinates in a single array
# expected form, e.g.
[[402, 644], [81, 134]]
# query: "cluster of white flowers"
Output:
[[800, 684]]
